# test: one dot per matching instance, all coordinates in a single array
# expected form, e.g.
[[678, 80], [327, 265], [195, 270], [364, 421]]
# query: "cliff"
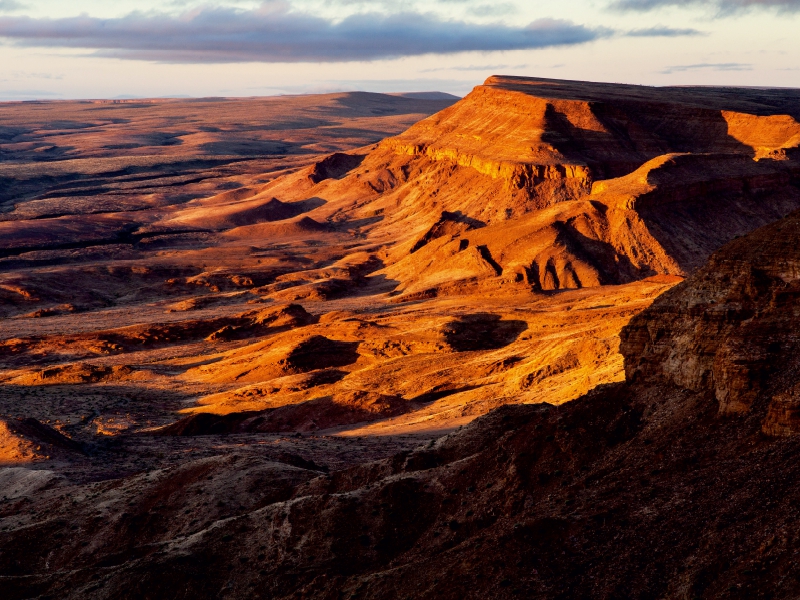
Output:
[[730, 330]]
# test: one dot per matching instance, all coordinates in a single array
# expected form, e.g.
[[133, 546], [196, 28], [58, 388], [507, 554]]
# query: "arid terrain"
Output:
[[537, 342]]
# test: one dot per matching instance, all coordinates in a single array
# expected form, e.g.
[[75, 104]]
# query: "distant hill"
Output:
[[427, 95]]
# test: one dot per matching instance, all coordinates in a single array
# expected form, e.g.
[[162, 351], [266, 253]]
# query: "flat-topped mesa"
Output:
[[659, 120], [554, 139], [563, 184], [506, 136], [730, 330], [514, 137], [628, 122]]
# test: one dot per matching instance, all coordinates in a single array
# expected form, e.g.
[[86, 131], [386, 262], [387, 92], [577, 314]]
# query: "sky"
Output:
[[52, 49]]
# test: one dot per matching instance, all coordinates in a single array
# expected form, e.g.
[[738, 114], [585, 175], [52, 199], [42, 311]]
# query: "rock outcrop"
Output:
[[28, 440], [731, 329]]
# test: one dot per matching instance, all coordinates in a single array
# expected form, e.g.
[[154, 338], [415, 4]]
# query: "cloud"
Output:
[[494, 68], [660, 31], [275, 33], [494, 10], [10, 5], [709, 66], [722, 7]]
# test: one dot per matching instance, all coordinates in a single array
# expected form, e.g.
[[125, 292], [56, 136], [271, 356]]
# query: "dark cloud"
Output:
[[275, 33], [660, 31], [720, 6]]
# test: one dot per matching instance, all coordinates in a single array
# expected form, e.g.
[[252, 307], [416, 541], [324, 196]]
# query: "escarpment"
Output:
[[563, 184], [528, 132], [731, 330]]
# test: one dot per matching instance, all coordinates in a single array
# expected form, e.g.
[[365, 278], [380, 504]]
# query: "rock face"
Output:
[[552, 139], [731, 329]]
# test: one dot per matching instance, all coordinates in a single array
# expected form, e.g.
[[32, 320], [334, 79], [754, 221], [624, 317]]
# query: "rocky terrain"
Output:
[[246, 360], [657, 487]]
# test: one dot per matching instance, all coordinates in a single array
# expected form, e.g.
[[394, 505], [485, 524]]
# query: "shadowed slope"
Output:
[[738, 340]]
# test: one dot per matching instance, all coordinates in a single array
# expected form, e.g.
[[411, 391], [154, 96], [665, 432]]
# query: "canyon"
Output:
[[536, 342]]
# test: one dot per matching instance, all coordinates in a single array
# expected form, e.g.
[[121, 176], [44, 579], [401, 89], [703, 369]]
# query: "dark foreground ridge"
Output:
[[680, 483]]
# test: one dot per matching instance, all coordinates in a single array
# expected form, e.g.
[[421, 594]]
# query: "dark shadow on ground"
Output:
[[482, 331]]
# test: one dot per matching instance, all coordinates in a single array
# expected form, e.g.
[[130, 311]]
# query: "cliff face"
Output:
[[554, 130], [730, 330], [526, 131], [538, 137]]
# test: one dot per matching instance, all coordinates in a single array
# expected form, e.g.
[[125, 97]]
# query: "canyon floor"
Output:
[[307, 346]]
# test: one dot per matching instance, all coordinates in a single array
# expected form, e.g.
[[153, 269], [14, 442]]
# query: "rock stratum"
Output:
[[230, 351]]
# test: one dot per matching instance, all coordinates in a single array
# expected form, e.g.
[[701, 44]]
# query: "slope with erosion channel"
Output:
[[690, 174]]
